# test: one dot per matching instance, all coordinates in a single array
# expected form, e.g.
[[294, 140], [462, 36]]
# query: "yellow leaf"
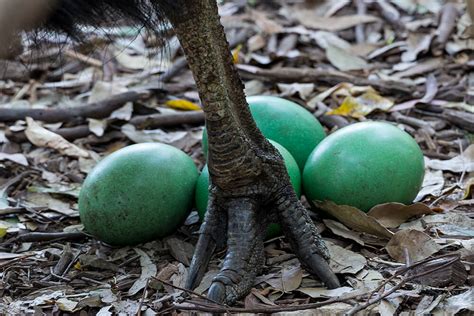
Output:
[[3, 230], [78, 266], [362, 105], [469, 189], [235, 53], [4, 227], [181, 104]]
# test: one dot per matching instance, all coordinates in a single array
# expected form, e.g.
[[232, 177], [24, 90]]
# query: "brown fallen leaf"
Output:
[[180, 250], [41, 137], [344, 260], [291, 278], [453, 274], [391, 215], [462, 163], [341, 230], [336, 23], [17, 158], [318, 292], [354, 218], [362, 105], [412, 243]]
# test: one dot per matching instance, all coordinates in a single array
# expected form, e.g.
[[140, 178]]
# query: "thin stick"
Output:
[[189, 291]]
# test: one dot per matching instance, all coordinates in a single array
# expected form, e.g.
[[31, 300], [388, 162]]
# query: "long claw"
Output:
[[305, 240], [211, 236], [244, 258]]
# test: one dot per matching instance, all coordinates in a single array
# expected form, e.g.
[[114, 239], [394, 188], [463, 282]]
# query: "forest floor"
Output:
[[64, 106]]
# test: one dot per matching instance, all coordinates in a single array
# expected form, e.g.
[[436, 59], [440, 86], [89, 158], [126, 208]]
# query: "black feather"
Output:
[[71, 14]]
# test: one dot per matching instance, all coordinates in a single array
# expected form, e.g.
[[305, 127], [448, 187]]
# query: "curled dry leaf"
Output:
[[16, 158], [449, 270], [148, 270], [206, 281], [436, 220], [344, 260], [317, 292], [182, 104], [412, 243], [303, 89], [341, 230], [362, 105], [462, 163], [433, 184], [289, 280], [391, 215], [344, 60], [354, 218], [180, 250], [454, 304], [336, 23], [41, 137]]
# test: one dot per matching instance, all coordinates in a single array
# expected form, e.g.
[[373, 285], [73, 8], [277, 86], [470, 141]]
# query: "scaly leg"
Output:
[[248, 175]]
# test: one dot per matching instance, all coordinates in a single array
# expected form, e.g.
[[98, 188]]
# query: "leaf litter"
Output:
[[392, 61]]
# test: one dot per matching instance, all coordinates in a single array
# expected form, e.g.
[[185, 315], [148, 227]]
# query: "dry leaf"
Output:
[[354, 218], [344, 60], [317, 292], [103, 90], [304, 90], [291, 278], [454, 304], [416, 244], [181, 104], [308, 19], [264, 23], [344, 260], [45, 200], [124, 113], [341, 230], [180, 250], [235, 53], [17, 158], [433, 184], [97, 126], [3, 229], [462, 163], [435, 220], [139, 62], [362, 105], [42, 137], [391, 215], [149, 270]]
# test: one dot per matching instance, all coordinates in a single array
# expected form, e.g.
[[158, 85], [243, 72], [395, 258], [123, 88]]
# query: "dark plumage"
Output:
[[69, 15]]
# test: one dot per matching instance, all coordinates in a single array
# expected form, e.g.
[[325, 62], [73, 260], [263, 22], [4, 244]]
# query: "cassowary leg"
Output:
[[249, 182]]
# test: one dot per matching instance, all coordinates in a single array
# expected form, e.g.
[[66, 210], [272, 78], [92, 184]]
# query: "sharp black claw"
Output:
[[217, 292]]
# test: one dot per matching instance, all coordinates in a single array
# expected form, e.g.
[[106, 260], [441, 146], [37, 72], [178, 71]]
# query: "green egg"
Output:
[[363, 165], [202, 186], [137, 194], [285, 122]]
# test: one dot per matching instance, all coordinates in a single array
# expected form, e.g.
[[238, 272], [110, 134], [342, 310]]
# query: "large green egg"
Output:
[[285, 122], [202, 185], [363, 165], [137, 194]]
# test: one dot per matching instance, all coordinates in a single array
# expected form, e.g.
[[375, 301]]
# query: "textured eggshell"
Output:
[[363, 165], [202, 195], [287, 123], [137, 194]]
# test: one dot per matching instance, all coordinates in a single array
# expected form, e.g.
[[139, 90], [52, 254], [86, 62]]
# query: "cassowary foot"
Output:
[[239, 221], [249, 183]]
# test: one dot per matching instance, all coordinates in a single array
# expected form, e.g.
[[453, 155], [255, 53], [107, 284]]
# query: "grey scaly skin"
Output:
[[249, 182]]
